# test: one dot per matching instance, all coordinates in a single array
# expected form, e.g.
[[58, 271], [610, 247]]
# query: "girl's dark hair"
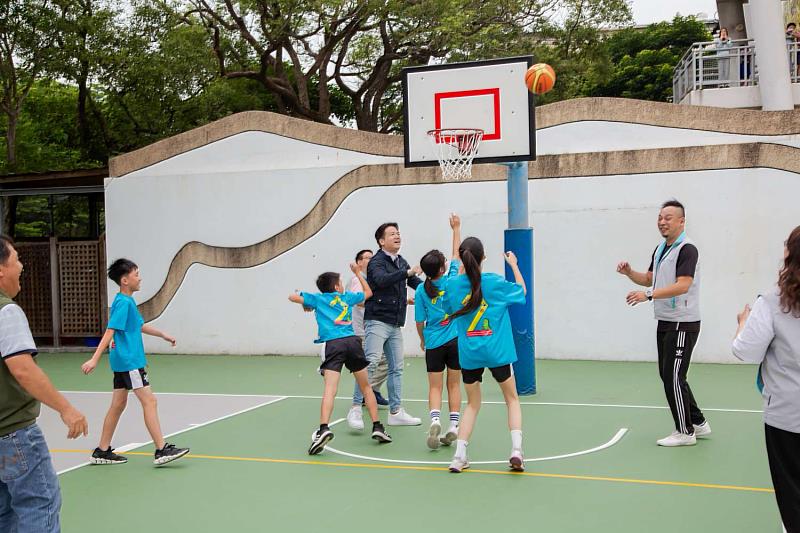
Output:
[[432, 263], [326, 282], [120, 268], [471, 253], [789, 279]]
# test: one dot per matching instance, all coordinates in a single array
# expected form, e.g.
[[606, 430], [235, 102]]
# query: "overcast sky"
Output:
[[648, 11]]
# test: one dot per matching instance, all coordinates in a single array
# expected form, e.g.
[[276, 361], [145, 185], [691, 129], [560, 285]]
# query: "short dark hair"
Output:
[[326, 282], [361, 253], [674, 203], [382, 229], [7, 245], [119, 268], [792, 24]]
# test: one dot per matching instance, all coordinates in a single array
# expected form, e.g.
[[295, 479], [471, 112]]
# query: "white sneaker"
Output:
[[516, 462], [355, 419], [703, 430], [450, 437], [401, 418], [677, 439], [433, 435], [459, 464]]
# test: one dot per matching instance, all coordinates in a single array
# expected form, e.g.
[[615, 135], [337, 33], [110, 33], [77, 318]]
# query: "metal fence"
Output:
[[706, 65]]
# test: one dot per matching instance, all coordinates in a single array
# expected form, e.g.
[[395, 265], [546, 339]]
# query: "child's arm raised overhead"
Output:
[[364, 284], [455, 224], [90, 365], [153, 332], [511, 259]]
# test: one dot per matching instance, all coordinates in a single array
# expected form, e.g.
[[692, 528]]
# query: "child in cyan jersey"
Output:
[[333, 308], [478, 304], [439, 339]]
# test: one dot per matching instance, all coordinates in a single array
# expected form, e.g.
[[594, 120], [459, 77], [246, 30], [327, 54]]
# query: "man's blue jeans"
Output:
[[30, 498], [381, 338]]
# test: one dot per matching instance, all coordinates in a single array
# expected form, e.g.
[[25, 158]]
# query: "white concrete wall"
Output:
[[601, 136], [583, 228]]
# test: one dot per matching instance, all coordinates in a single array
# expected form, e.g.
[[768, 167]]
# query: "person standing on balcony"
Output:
[[723, 46], [792, 36]]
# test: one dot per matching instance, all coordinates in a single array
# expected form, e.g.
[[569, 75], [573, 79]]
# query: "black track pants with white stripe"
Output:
[[674, 354]]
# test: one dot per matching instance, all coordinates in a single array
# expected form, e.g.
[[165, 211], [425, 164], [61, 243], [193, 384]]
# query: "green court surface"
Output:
[[250, 471]]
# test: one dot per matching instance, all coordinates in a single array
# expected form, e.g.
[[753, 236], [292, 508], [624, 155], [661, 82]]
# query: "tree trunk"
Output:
[[9, 215], [83, 90], [83, 119], [11, 141]]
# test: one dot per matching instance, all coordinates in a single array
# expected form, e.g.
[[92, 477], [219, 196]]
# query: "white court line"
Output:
[[135, 445], [615, 439], [560, 404], [556, 404]]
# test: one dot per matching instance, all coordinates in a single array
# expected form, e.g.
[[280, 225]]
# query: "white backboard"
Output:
[[490, 95]]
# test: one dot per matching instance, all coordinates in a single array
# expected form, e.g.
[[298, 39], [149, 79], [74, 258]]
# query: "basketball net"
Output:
[[456, 149]]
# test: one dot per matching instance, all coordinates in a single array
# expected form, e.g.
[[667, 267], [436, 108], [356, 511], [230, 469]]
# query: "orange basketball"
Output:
[[540, 78]]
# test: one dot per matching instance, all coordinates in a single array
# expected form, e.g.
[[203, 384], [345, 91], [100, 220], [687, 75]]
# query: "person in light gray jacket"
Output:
[[770, 334]]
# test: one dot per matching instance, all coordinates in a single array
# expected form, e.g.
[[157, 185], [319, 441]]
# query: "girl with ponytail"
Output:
[[478, 303], [439, 339]]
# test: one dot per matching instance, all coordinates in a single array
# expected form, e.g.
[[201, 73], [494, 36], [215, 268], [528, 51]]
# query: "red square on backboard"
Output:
[[493, 92]]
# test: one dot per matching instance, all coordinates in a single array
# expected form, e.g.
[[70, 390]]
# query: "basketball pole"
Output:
[[519, 239]]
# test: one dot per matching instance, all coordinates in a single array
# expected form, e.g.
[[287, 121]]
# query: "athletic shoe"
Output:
[[383, 403], [703, 430], [516, 462], [168, 453], [379, 434], [459, 465], [319, 440], [677, 439], [107, 457], [433, 435], [449, 437], [401, 418], [355, 419]]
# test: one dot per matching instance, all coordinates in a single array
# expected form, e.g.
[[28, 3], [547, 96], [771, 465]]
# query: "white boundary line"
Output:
[[556, 404], [560, 404], [134, 445], [615, 439]]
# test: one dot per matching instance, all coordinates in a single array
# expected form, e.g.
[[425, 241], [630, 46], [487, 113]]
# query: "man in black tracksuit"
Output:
[[388, 274], [673, 285]]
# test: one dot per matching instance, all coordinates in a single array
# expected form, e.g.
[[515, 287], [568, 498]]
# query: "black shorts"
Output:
[[131, 380], [500, 374], [445, 355], [347, 352]]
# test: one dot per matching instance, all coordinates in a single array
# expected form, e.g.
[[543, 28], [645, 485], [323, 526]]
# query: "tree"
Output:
[[90, 30], [644, 59], [299, 50], [28, 30]]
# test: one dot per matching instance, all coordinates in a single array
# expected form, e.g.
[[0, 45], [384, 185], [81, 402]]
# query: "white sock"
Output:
[[516, 439], [454, 416], [461, 449], [435, 414]]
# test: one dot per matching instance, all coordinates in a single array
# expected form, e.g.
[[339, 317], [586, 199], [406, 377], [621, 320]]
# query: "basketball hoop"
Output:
[[455, 149]]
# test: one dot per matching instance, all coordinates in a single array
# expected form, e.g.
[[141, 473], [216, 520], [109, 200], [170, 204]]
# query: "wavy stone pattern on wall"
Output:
[[694, 158]]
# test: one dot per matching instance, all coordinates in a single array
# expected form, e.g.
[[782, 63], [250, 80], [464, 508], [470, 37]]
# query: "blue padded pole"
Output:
[[519, 239]]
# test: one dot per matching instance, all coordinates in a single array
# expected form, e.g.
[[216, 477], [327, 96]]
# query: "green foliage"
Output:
[[644, 60], [47, 131], [156, 68]]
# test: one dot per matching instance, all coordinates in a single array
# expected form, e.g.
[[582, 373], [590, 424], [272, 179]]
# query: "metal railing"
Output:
[[794, 61], [707, 65]]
